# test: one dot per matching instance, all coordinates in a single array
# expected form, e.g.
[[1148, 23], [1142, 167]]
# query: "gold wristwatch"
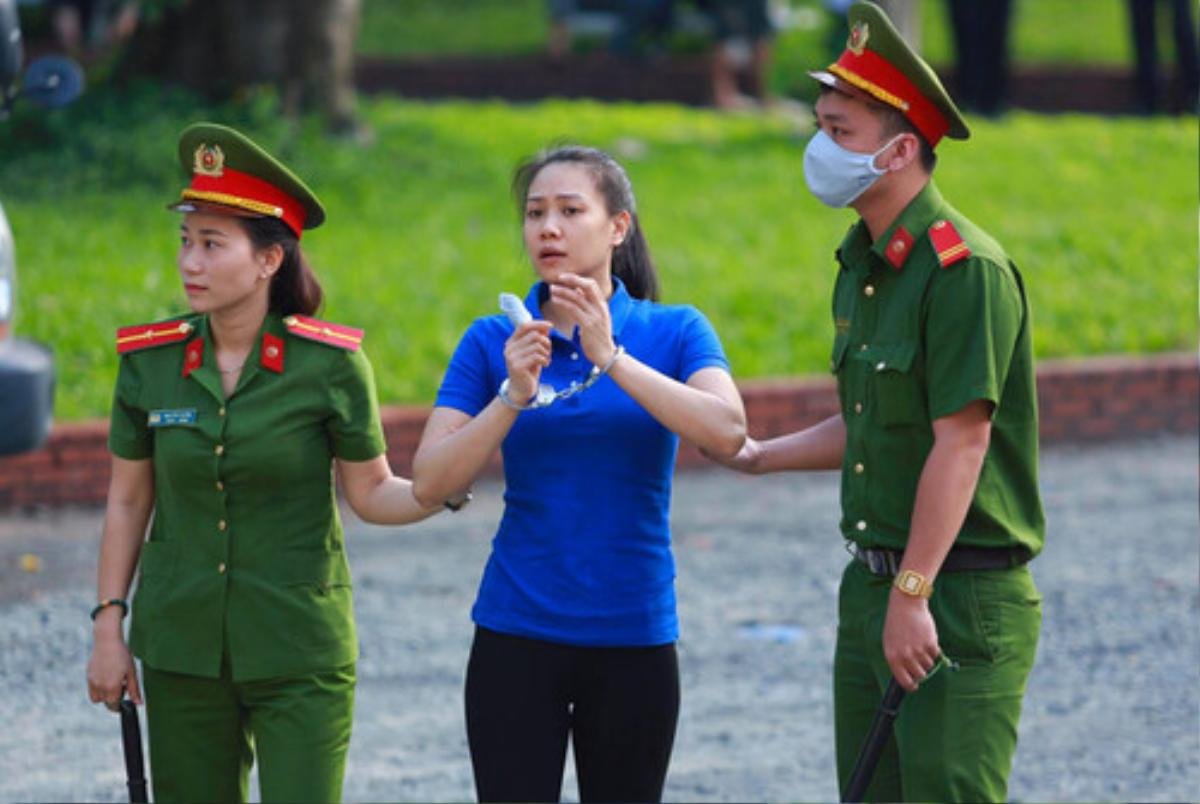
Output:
[[913, 584]]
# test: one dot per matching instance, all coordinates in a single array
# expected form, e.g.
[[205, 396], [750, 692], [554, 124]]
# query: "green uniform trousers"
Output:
[[955, 736], [204, 734]]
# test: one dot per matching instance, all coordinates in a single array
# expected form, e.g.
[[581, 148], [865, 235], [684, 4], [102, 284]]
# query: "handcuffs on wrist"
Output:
[[546, 395]]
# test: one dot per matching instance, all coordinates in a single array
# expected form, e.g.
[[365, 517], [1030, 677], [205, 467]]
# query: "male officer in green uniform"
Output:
[[226, 424], [936, 438]]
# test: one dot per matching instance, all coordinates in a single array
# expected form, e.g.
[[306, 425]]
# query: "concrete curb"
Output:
[[1097, 399]]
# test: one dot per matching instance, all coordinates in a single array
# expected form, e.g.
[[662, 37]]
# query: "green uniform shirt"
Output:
[[245, 554], [919, 336]]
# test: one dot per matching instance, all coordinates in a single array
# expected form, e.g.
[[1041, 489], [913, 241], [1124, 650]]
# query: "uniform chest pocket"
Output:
[[896, 391]]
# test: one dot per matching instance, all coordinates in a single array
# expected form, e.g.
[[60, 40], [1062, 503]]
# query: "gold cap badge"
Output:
[[859, 35], [208, 160]]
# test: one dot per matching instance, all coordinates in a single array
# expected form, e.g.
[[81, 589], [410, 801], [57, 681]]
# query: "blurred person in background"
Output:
[[84, 28], [936, 438], [742, 33], [639, 25], [981, 29], [72, 23], [739, 24], [227, 425], [1144, 16], [575, 618]]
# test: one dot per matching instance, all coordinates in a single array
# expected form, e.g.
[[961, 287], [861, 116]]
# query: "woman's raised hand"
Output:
[[581, 298], [526, 353]]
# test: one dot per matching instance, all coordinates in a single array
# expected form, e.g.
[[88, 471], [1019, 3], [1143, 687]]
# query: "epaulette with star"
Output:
[[145, 336], [325, 332], [948, 243]]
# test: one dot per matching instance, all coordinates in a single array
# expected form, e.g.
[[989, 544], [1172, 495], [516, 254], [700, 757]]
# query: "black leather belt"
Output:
[[882, 561]]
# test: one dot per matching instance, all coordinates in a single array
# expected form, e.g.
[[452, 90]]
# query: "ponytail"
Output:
[[631, 261], [294, 288]]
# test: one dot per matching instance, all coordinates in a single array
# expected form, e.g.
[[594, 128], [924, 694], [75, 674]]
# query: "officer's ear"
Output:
[[905, 149], [269, 259]]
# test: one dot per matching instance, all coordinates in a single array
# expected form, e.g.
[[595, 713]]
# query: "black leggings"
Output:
[[524, 697]]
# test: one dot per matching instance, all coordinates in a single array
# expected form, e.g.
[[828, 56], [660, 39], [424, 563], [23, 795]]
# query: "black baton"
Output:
[[872, 747], [131, 738]]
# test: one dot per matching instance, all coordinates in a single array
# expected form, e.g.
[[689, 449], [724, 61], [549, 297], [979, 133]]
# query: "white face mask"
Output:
[[837, 176]]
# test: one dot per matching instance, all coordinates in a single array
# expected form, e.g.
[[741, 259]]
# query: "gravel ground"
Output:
[[1112, 714]]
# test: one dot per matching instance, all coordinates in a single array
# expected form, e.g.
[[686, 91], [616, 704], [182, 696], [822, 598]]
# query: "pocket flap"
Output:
[[320, 567], [890, 357]]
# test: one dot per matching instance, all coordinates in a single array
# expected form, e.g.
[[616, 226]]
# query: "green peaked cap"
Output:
[[878, 62], [233, 174]]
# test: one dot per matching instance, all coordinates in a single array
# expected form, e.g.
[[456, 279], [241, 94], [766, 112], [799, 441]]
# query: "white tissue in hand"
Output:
[[514, 308]]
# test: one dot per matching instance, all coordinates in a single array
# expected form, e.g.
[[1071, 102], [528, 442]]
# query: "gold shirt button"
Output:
[[862, 348], [221, 568], [859, 526], [859, 468], [222, 525], [869, 291], [220, 486], [219, 449], [858, 407], [221, 412]]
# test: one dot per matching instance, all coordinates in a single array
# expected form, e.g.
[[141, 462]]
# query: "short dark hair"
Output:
[[294, 288], [894, 122], [631, 261]]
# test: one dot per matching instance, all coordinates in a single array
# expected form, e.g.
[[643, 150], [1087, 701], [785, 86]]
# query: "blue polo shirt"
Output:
[[583, 552]]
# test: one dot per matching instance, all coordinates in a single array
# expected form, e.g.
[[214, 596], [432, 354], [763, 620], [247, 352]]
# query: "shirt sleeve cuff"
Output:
[[953, 403]]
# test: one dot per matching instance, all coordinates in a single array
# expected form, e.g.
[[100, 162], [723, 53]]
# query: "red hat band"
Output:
[[232, 188], [876, 76]]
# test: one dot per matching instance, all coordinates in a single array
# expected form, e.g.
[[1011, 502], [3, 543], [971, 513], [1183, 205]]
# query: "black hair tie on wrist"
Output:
[[112, 601]]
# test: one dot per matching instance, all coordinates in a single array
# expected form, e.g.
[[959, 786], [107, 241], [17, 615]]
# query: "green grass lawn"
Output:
[[1099, 214], [476, 27], [1044, 31]]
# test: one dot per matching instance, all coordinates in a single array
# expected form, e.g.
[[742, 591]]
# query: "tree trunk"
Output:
[[304, 47]]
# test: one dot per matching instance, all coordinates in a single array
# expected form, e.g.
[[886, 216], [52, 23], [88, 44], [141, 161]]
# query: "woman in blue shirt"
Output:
[[575, 618]]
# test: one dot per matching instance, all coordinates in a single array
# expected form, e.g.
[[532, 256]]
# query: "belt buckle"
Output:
[[881, 562], [877, 561]]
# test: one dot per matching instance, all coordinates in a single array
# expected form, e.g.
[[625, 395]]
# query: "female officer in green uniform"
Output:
[[225, 424]]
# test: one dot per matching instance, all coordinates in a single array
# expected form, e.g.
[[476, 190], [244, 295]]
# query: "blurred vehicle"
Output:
[[26, 367]]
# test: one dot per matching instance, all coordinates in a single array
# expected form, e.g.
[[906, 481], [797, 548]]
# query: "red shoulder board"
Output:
[[337, 335], [948, 243], [144, 336]]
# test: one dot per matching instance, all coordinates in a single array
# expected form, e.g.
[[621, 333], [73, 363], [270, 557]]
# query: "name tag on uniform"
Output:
[[168, 418]]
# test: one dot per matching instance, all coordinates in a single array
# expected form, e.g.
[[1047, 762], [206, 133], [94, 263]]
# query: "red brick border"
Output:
[[1081, 400]]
